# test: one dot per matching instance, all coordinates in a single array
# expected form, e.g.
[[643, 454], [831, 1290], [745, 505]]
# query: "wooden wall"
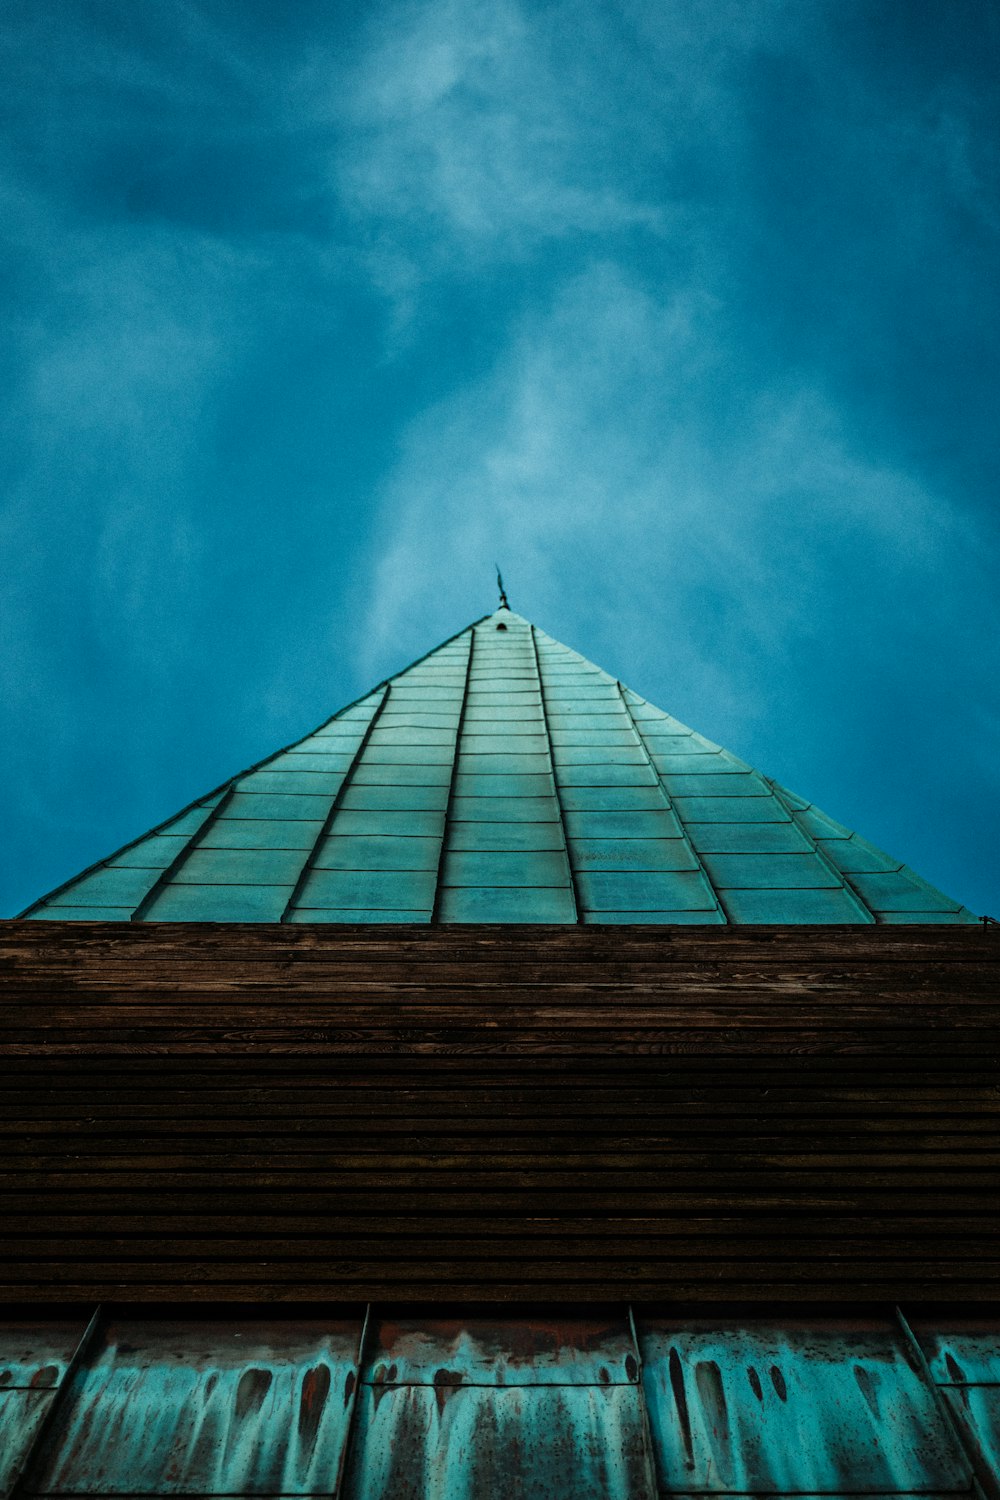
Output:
[[213, 1113]]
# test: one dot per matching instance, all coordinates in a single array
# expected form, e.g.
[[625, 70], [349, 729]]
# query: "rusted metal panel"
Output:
[[538, 1405], [21, 1416], [815, 1406], [221, 1408], [963, 1356], [512, 1405], [976, 1411], [34, 1356], [35, 1352], [551, 1442], [503, 1351], [885, 1495], [961, 1350]]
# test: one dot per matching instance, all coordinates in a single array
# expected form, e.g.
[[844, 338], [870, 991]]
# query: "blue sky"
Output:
[[684, 310]]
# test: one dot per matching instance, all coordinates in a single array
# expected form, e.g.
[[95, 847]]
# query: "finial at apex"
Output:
[[503, 596]]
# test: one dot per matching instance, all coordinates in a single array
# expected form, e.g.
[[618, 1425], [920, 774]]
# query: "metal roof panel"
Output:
[[500, 904], [345, 851], [22, 1414], [219, 1408], [815, 1407], [645, 890], [505, 868], [484, 1443], [514, 754]]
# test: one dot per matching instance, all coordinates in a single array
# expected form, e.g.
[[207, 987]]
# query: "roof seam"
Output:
[[167, 874], [350, 1436], [574, 885], [109, 859], [446, 824], [842, 878], [652, 1482], [26, 1470], [859, 839], [720, 904], [310, 860]]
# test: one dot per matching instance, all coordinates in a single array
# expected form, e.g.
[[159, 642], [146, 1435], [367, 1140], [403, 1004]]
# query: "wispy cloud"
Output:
[[615, 450], [463, 127]]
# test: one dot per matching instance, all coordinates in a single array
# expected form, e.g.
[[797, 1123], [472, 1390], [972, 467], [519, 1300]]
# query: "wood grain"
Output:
[[256, 1112]]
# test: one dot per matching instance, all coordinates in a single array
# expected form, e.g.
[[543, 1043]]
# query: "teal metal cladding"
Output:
[[502, 778], [401, 1405]]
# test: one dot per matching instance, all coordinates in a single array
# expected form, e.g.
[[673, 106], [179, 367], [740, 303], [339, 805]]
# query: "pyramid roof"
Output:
[[501, 778]]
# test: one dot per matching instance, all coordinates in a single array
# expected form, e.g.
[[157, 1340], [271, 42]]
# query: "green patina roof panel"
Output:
[[860, 1374], [556, 1404], [502, 778]]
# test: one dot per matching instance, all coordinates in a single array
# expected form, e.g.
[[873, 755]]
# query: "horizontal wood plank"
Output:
[[203, 1113]]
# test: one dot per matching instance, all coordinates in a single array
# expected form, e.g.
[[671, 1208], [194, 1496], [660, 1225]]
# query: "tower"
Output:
[[501, 1089]]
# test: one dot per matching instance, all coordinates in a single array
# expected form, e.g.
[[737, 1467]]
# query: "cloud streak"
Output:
[[461, 126], [616, 443]]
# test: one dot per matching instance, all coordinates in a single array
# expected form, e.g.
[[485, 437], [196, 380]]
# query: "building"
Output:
[[502, 1090]]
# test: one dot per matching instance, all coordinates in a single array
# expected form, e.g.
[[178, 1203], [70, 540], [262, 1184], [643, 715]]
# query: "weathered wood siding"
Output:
[[297, 1113]]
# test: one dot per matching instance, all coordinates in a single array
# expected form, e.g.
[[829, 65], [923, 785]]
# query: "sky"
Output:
[[683, 311]]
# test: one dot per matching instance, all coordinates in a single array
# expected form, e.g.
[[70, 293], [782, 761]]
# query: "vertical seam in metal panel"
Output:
[[716, 896], [338, 797], [59, 1399], [647, 1430], [167, 874], [938, 1395], [352, 1414], [446, 825], [573, 882], [824, 859]]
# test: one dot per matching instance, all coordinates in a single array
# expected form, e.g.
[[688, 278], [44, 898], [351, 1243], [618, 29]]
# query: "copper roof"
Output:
[[502, 778]]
